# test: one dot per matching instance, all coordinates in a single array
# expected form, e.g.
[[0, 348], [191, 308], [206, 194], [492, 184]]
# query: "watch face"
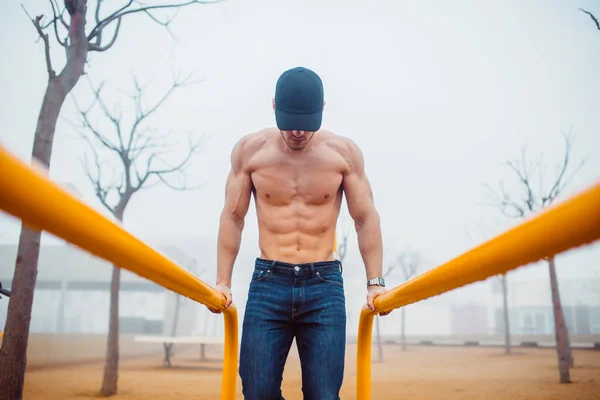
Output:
[[376, 281]]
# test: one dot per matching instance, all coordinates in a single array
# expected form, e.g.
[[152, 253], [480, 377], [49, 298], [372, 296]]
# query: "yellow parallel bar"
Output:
[[230, 355], [38, 202], [571, 224], [363, 357]]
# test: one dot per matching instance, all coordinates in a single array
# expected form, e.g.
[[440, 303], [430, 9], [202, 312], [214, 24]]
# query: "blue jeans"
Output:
[[305, 301]]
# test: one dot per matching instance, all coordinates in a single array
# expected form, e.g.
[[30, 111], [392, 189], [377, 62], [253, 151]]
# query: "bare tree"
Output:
[[532, 200], [68, 27], [592, 17], [139, 154]]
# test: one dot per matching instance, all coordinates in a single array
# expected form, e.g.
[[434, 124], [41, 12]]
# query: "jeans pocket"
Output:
[[259, 275], [334, 278]]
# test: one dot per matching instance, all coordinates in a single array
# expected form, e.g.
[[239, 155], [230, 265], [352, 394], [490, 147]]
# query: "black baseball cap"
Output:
[[299, 100]]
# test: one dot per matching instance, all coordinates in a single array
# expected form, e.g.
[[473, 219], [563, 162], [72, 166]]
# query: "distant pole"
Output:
[[507, 344]]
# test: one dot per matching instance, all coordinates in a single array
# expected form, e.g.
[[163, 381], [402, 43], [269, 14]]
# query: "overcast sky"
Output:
[[437, 95]]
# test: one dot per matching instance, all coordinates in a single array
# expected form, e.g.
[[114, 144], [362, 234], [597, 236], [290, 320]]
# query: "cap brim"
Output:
[[301, 122]]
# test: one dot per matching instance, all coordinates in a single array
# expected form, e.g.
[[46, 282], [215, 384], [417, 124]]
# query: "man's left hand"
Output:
[[372, 292]]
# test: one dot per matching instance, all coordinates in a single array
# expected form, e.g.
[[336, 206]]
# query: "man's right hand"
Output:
[[226, 290]]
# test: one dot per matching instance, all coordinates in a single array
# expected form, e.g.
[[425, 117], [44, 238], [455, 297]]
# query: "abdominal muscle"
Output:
[[297, 234]]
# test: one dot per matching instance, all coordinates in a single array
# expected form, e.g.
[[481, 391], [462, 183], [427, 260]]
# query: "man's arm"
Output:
[[361, 206], [238, 190]]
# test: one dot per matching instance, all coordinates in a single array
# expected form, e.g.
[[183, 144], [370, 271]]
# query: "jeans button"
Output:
[[297, 268]]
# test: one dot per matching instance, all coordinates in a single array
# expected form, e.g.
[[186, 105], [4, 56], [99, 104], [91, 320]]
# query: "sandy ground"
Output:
[[419, 373]]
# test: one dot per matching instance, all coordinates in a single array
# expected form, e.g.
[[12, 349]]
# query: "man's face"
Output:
[[296, 140]]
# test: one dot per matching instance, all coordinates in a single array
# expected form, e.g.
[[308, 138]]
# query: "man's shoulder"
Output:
[[250, 143], [342, 144], [346, 148]]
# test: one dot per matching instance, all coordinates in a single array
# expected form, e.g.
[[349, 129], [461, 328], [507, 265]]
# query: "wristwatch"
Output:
[[377, 281]]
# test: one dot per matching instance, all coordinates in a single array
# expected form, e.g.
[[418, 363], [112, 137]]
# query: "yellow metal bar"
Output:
[[230, 356], [363, 356], [573, 223], [38, 202], [32, 197]]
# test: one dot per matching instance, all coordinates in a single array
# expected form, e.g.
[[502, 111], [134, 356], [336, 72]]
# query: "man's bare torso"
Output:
[[298, 194]]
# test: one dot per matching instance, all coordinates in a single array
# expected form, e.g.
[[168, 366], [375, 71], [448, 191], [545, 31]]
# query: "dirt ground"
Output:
[[419, 373]]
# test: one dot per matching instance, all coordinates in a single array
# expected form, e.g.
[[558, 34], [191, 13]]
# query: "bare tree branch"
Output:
[[97, 13], [100, 25], [96, 32], [524, 172], [555, 190], [57, 17], [143, 141], [505, 203], [44, 36], [97, 19], [99, 48], [164, 23], [141, 114], [592, 17], [61, 16], [561, 182], [534, 200], [163, 173], [86, 123], [142, 147], [96, 181], [115, 119]]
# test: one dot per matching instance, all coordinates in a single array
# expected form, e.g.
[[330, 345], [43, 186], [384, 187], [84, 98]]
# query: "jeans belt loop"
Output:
[[312, 269]]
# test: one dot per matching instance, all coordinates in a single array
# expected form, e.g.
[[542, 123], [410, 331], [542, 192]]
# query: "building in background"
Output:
[[73, 294], [531, 307]]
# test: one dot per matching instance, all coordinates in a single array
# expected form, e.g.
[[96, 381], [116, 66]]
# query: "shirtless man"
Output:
[[298, 175]]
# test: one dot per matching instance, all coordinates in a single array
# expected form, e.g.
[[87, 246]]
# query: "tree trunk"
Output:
[[13, 355], [507, 346], [569, 351], [176, 314], [560, 328], [403, 332], [111, 366], [379, 346]]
